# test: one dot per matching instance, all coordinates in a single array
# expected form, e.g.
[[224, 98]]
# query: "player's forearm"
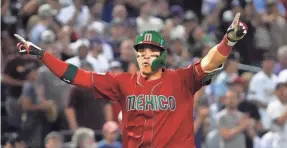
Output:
[[197, 124], [68, 72], [228, 134], [11, 81], [108, 110], [70, 113], [216, 56]]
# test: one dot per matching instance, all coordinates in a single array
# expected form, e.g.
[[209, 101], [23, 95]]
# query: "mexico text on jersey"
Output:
[[150, 102]]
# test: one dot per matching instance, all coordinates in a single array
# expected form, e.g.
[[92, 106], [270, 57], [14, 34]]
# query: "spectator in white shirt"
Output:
[[282, 59], [283, 76], [146, 21], [81, 48], [262, 86], [277, 111], [97, 58], [76, 14]]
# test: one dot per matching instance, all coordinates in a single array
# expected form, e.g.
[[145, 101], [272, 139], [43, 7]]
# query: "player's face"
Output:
[[145, 57]]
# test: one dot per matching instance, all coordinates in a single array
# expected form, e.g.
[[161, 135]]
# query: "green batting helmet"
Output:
[[151, 38], [156, 39]]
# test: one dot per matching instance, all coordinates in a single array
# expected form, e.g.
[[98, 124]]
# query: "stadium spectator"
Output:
[[262, 86], [99, 61], [119, 12], [201, 113], [47, 89], [34, 122], [282, 59], [53, 140], [76, 15], [84, 110], [219, 87], [233, 123], [277, 26], [277, 111], [83, 138], [247, 107], [126, 54], [14, 76], [111, 133], [46, 13], [146, 20]]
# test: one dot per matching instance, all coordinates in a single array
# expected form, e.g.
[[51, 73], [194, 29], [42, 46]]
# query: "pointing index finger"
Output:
[[236, 19], [20, 38]]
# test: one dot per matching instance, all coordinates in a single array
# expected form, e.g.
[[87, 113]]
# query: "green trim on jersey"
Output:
[[70, 74]]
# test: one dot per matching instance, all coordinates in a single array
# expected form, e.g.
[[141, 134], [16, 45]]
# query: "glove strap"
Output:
[[35, 50], [230, 43]]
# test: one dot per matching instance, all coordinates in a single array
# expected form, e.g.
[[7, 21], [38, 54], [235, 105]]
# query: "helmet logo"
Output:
[[148, 37]]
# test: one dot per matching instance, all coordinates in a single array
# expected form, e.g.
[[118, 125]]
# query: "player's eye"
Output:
[[155, 56], [140, 55]]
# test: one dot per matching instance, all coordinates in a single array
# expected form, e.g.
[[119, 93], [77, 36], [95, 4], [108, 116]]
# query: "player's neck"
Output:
[[153, 76]]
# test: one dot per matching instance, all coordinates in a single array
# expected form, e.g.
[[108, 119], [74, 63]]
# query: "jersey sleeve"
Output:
[[195, 77], [106, 86]]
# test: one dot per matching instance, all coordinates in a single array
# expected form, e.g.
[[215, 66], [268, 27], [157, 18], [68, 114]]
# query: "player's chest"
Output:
[[156, 96]]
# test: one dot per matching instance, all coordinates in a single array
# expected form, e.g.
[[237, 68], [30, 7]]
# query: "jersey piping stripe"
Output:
[[143, 135], [153, 114], [70, 73]]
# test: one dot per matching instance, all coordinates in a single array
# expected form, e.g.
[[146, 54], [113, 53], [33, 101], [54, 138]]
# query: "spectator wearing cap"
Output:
[[262, 86], [111, 134], [53, 140], [46, 13], [277, 111], [77, 15], [86, 110], [83, 138], [145, 21], [50, 43]]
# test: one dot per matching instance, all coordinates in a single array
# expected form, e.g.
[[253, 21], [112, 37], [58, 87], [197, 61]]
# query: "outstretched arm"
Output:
[[67, 72], [219, 53]]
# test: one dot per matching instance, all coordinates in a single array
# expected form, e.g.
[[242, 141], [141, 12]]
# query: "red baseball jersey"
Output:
[[156, 113]]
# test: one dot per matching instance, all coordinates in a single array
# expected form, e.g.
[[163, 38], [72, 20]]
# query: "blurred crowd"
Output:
[[243, 107]]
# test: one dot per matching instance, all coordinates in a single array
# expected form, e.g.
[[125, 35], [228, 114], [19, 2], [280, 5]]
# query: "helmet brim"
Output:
[[137, 46]]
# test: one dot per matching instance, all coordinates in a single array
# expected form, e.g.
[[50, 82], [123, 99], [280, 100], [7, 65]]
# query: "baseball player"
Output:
[[157, 103]]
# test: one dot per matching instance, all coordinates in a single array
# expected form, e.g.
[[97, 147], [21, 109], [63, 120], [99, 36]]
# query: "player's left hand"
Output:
[[237, 29]]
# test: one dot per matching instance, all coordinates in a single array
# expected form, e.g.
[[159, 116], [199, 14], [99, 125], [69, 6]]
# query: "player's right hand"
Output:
[[26, 47]]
